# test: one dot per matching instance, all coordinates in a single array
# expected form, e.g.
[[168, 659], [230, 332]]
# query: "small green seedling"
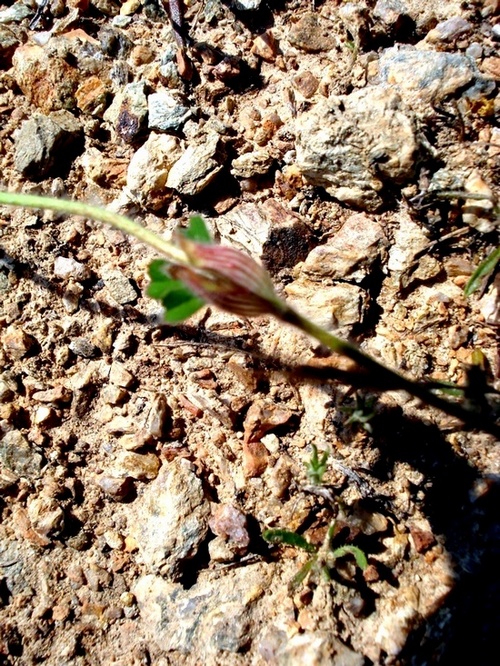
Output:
[[316, 467], [323, 559], [362, 412], [484, 270]]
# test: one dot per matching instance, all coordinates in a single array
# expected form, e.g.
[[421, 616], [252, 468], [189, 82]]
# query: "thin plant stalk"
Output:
[[379, 376]]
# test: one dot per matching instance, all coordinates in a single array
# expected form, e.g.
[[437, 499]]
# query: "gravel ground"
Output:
[[140, 463]]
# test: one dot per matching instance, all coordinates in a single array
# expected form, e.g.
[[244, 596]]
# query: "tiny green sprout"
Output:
[[362, 412], [484, 270], [323, 558], [316, 467]]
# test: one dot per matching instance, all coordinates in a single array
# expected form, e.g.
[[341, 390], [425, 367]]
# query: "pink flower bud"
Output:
[[227, 278]]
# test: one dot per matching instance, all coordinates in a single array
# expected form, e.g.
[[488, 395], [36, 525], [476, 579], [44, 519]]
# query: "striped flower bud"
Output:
[[227, 278]]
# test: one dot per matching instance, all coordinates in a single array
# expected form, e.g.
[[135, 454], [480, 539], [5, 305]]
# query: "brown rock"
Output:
[[17, 343], [265, 46], [262, 417], [91, 96], [48, 82], [312, 34], [306, 83], [255, 458]]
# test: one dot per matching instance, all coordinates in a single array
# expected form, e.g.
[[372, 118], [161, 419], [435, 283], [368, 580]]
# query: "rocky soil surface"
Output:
[[140, 463]]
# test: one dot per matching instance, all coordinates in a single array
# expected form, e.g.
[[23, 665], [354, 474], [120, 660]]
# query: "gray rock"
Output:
[[84, 348], [426, 76], [167, 111], [351, 145], [17, 454], [350, 253], [171, 519], [219, 617], [120, 287], [197, 167], [448, 30], [247, 5], [46, 144], [16, 13]]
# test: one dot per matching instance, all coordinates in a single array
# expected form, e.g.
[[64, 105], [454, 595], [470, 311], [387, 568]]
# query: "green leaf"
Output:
[[197, 230], [186, 307], [288, 538], [359, 556], [301, 574], [179, 302], [484, 269]]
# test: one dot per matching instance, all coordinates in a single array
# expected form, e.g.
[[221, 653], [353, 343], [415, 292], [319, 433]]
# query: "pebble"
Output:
[[197, 167], [255, 459], [221, 617], [337, 308], [129, 111], [270, 232], [19, 456], [350, 253], [120, 376], [149, 168], [17, 343], [84, 348], [231, 524], [92, 96], [426, 76], [66, 267], [478, 213], [46, 516], [6, 390], [305, 83], [47, 144], [58, 395], [48, 80], [139, 466], [247, 5], [265, 46], [169, 520], [167, 111], [8, 45], [449, 30], [158, 418], [312, 34], [351, 145], [255, 163], [118, 489], [119, 286], [113, 395]]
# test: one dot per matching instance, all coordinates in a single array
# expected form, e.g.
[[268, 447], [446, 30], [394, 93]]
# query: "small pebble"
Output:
[[120, 376], [84, 348], [118, 489]]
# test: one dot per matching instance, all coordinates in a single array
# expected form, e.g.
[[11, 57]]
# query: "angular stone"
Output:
[[48, 81], [312, 33], [120, 287], [350, 253], [170, 520], [66, 267], [47, 144], [197, 167], [149, 168], [140, 466], [352, 145], [167, 111], [17, 455]]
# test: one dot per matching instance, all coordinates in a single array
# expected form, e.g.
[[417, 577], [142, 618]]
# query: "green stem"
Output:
[[124, 224], [384, 379]]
